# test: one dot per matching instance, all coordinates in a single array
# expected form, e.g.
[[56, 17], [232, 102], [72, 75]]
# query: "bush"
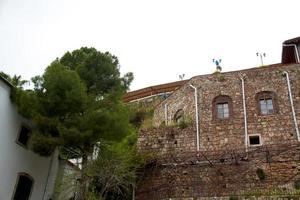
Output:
[[261, 174], [233, 198], [183, 124], [297, 184]]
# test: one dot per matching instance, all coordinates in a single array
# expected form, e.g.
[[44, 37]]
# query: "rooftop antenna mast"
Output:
[[217, 63], [181, 76], [261, 55]]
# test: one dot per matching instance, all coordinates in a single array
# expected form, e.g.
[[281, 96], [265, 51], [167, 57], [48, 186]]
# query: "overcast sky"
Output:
[[157, 40]]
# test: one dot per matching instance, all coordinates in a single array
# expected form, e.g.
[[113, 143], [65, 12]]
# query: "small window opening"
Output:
[[178, 117], [223, 110], [24, 135], [23, 188], [254, 140]]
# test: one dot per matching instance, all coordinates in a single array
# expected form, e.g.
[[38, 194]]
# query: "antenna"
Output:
[[181, 76], [217, 63], [261, 55]]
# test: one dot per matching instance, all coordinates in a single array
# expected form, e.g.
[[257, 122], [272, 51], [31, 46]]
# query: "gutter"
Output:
[[48, 174], [292, 104], [245, 114], [166, 114], [197, 117]]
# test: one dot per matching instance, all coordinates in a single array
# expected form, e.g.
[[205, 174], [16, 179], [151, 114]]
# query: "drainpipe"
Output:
[[292, 104], [245, 114], [296, 50], [133, 193], [166, 114], [49, 172], [197, 117]]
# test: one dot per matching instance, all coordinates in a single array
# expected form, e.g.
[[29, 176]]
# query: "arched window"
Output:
[[178, 117], [266, 103], [23, 187], [222, 107]]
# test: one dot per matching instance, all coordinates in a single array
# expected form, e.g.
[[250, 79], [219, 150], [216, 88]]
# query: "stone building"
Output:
[[227, 134]]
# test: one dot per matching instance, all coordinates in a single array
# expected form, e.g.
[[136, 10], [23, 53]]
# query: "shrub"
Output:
[[297, 184], [221, 78], [183, 124], [233, 198], [261, 174]]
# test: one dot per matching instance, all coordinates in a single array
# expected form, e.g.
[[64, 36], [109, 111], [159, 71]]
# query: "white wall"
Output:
[[15, 158]]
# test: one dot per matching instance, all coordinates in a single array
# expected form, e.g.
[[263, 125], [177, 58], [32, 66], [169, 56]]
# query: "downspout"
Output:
[[296, 50], [292, 104], [133, 193], [166, 114], [197, 117], [49, 172], [245, 114]]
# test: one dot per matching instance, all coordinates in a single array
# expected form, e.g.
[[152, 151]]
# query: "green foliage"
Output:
[[140, 115], [100, 71], [184, 124], [233, 198], [261, 174], [16, 81], [297, 184], [113, 174], [219, 75], [221, 78], [76, 103], [110, 177]]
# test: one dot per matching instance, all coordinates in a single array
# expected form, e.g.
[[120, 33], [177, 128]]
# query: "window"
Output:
[[24, 136], [254, 140], [266, 106], [223, 110], [222, 107], [23, 187], [266, 102], [178, 117]]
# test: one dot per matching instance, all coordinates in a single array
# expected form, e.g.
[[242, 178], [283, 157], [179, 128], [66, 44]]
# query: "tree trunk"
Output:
[[83, 182]]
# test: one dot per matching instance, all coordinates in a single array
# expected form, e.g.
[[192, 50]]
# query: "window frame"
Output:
[[19, 133], [266, 95], [222, 99], [17, 182]]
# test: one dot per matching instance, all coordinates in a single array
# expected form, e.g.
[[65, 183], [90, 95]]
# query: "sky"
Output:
[[157, 40]]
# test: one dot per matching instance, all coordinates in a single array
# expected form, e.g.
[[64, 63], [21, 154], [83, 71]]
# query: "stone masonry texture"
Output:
[[223, 167]]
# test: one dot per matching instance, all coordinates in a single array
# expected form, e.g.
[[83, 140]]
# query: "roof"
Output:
[[292, 41], [6, 81], [153, 90]]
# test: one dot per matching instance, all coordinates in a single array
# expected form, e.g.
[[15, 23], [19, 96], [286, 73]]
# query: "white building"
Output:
[[24, 175]]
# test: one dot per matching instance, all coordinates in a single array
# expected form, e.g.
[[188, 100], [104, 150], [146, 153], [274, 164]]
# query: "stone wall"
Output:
[[224, 167], [177, 172], [215, 133]]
